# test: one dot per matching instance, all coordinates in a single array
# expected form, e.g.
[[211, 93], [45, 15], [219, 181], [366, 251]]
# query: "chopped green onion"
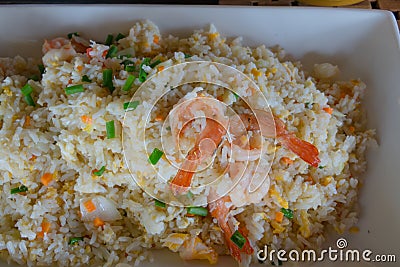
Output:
[[128, 83], [127, 62], [159, 203], [155, 63], [119, 37], [100, 172], [41, 68], [109, 39], [238, 239], [188, 56], [75, 240], [130, 68], [155, 156], [27, 89], [320, 167], [125, 55], [107, 79], [29, 100], [85, 78], [236, 95], [142, 73], [128, 106], [288, 213], [197, 211], [110, 128], [112, 51], [19, 189], [34, 77], [72, 34], [74, 89]]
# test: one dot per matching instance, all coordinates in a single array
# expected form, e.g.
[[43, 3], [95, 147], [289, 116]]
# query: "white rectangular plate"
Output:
[[363, 43]]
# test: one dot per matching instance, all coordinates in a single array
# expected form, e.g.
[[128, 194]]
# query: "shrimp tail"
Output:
[[181, 182], [305, 150]]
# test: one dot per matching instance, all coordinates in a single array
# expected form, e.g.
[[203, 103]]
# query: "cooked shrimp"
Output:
[[219, 209], [269, 126], [207, 141], [56, 50], [204, 147]]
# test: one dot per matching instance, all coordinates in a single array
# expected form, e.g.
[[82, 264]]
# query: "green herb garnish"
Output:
[[320, 167], [142, 73], [107, 79], [19, 189], [110, 128], [72, 34], [100, 172], [129, 106], [130, 68], [288, 213], [85, 78], [74, 89], [27, 89], [29, 100], [155, 63], [238, 239], [159, 203], [109, 39], [119, 37], [128, 83], [75, 240], [188, 56], [155, 156], [112, 51], [197, 211]]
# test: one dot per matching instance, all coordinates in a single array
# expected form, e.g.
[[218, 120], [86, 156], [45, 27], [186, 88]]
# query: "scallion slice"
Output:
[[74, 240], [110, 128], [128, 83], [130, 68], [155, 156], [85, 78], [127, 62], [34, 77], [41, 68], [238, 239], [112, 52], [142, 73], [100, 172], [197, 211], [119, 37], [159, 203], [29, 100], [107, 79], [27, 89], [72, 34], [155, 63], [109, 39], [74, 89], [288, 213], [236, 95], [129, 106], [188, 56], [19, 189]]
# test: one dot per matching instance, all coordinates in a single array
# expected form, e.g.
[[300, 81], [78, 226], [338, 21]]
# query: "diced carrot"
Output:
[[352, 129], [79, 68], [160, 68], [69, 81], [279, 216], [156, 39], [46, 178], [33, 158], [287, 160], [105, 53], [328, 110], [89, 205], [98, 222], [86, 119], [159, 118], [309, 179], [45, 229], [27, 122]]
